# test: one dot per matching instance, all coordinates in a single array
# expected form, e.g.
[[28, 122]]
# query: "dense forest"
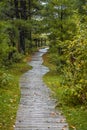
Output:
[[20, 28], [68, 45], [28, 24]]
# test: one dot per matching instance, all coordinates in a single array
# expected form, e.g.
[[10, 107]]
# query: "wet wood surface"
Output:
[[37, 108]]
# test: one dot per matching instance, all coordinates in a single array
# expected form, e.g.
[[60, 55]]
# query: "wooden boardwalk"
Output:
[[37, 109]]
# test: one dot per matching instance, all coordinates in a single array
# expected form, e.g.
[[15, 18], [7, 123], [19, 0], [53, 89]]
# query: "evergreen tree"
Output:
[[59, 16]]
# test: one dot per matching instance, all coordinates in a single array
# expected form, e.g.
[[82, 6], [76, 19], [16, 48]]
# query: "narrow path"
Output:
[[37, 108]]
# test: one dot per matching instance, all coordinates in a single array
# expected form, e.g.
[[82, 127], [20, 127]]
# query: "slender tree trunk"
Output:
[[30, 32], [16, 9], [61, 17], [22, 40], [17, 15], [23, 9], [23, 15]]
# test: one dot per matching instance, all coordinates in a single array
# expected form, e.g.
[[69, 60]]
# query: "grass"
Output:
[[76, 115], [10, 96]]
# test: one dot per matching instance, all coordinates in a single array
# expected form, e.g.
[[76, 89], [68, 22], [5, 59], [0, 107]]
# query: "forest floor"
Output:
[[10, 96], [76, 115], [37, 107]]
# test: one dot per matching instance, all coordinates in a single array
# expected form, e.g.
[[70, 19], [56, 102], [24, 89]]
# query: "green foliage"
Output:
[[75, 113], [20, 23], [17, 27], [71, 62], [6, 79], [10, 94], [17, 57], [6, 10], [75, 71], [9, 44], [68, 47], [59, 20]]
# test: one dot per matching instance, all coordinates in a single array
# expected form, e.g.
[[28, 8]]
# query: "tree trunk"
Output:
[[22, 41], [16, 9], [61, 17], [23, 9], [30, 32]]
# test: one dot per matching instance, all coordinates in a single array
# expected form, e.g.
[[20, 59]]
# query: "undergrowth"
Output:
[[10, 93], [76, 115]]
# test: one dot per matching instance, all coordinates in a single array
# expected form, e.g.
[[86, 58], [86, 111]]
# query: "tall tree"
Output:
[[59, 17]]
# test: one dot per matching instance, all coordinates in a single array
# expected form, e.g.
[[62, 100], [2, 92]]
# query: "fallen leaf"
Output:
[[64, 128], [53, 114], [62, 120], [73, 127], [13, 126]]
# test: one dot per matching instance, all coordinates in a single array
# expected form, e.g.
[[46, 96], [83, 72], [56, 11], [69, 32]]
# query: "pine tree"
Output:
[[59, 19]]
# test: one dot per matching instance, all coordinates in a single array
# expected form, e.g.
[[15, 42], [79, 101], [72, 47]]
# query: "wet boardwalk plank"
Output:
[[37, 109]]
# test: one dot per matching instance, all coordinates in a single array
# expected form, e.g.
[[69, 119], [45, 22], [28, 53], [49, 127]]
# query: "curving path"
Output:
[[37, 108]]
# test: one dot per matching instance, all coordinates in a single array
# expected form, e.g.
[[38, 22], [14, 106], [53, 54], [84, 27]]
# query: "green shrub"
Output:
[[17, 57], [6, 79], [70, 58]]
